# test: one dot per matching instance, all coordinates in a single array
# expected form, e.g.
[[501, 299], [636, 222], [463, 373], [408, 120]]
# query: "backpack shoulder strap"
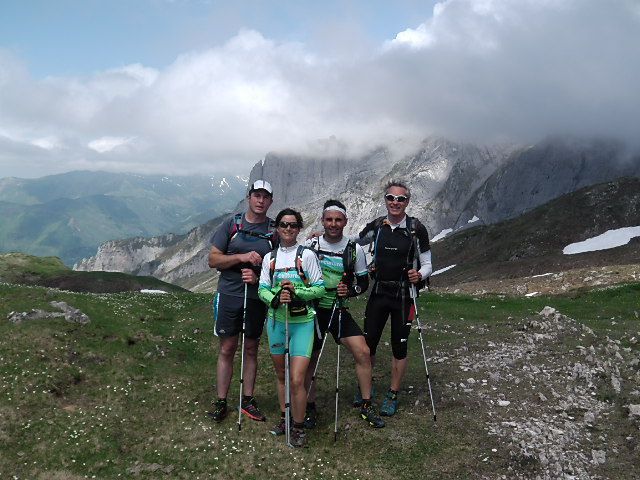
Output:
[[272, 264], [300, 270], [349, 257], [237, 226]]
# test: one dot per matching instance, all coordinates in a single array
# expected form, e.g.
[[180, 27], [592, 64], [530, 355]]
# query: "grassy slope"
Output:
[[130, 390], [51, 272], [532, 243]]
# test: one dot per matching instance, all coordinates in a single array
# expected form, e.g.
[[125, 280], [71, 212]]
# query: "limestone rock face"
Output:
[[451, 183], [535, 175]]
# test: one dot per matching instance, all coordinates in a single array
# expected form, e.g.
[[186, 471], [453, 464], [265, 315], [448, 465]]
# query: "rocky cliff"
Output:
[[537, 174], [450, 182]]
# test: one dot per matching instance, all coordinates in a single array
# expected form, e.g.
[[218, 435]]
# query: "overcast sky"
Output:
[[188, 86]]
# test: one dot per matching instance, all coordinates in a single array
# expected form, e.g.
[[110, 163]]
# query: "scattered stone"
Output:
[[547, 312], [69, 313], [634, 410], [598, 457], [504, 403], [590, 418]]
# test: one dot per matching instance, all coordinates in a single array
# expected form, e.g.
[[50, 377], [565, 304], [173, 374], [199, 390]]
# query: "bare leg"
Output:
[[224, 369], [360, 351], [299, 367], [398, 369], [311, 388], [250, 364], [278, 364]]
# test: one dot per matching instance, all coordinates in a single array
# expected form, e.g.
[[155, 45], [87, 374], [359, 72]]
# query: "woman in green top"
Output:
[[290, 278]]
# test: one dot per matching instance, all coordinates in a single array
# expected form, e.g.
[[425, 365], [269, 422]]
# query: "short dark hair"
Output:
[[332, 203], [289, 211], [397, 183]]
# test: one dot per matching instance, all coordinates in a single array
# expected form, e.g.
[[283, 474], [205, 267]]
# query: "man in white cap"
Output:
[[237, 249]]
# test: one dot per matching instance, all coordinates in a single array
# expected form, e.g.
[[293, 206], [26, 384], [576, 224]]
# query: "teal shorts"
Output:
[[300, 334]]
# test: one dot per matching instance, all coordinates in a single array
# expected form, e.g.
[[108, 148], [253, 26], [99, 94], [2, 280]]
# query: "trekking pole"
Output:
[[413, 293], [335, 426], [287, 382], [244, 324], [324, 341]]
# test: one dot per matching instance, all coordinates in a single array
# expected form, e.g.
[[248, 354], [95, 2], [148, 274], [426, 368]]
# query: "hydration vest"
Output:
[[412, 254], [296, 307]]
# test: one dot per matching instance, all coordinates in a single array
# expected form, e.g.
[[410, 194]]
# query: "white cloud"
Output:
[[108, 144], [484, 70], [48, 143]]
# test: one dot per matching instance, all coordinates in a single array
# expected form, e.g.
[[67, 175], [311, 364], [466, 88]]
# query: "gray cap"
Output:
[[261, 185]]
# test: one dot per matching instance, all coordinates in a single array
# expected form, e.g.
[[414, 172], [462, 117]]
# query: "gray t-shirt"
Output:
[[229, 242]]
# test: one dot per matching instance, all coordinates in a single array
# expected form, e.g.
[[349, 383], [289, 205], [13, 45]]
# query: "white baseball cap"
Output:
[[261, 185]]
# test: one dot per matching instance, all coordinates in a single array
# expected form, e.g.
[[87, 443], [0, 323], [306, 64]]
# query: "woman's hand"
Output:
[[287, 292]]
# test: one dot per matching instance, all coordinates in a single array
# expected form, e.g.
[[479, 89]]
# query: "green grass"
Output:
[[131, 388], [25, 269]]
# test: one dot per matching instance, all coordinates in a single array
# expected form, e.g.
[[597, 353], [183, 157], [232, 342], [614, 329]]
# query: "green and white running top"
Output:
[[285, 269], [330, 256]]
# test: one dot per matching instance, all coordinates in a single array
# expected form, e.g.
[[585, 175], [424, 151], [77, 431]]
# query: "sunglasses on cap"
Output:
[[398, 198], [288, 224]]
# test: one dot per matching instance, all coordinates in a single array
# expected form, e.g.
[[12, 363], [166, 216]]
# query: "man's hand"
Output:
[[249, 276], [252, 258], [414, 276], [342, 290], [314, 234]]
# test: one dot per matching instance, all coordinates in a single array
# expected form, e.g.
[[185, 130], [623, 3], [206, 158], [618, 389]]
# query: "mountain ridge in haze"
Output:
[[444, 176], [70, 215]]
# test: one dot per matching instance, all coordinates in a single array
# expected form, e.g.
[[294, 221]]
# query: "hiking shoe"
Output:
[[370, 416], [389, 405], [298, 438], [250, 409], [310, 418], [219, 411], [279, 428], [357, 398]]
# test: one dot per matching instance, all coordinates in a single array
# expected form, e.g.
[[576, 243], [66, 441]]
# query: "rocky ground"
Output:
[[560, 401], [547, 283]]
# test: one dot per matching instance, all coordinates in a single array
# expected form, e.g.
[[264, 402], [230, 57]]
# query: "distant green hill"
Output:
[[24, 269], [71, 214]]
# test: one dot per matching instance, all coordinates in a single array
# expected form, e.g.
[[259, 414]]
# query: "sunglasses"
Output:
[[398, 198], [288, 224]]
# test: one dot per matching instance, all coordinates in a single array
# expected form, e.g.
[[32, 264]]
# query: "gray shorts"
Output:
[[228, 312]]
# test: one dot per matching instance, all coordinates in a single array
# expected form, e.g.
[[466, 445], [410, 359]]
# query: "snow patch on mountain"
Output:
[[609, 239]]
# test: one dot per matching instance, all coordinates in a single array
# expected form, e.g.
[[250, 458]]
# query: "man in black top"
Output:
[[237, 249], [394, 239]]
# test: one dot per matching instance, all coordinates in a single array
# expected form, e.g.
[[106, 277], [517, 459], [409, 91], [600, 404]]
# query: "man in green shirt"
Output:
[[344, 268]]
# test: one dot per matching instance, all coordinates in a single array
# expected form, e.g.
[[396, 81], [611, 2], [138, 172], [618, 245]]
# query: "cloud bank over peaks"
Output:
[[490, 70]]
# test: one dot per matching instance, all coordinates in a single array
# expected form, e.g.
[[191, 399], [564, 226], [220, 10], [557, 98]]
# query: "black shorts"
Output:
[[342, 325], [227, 315]]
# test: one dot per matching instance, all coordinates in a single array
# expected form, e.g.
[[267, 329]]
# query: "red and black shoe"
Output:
[[251, 410]]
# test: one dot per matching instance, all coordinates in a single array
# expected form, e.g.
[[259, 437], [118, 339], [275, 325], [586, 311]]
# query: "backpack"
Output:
[[298, 263], [413, 255], [296, 307], [237, 229], [348, 258]]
